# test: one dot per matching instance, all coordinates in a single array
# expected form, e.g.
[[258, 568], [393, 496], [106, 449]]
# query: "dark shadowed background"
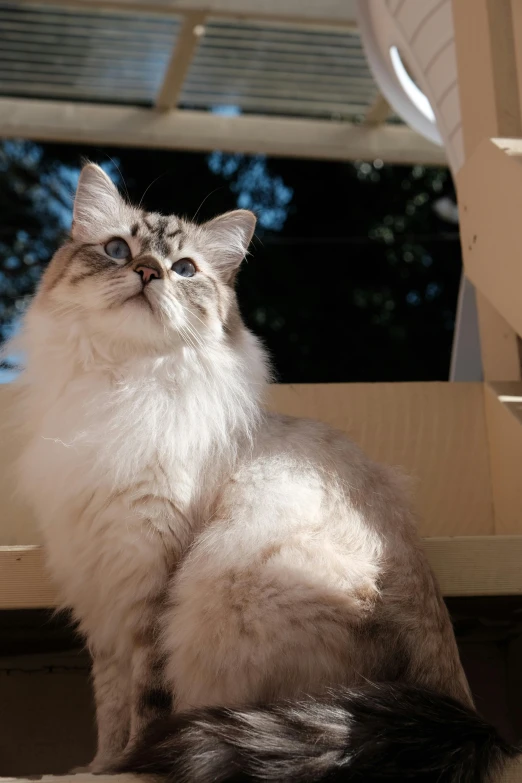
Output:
[[353, 276]]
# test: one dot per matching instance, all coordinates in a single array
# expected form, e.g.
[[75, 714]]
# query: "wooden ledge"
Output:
[[434, 432], [465, 566], [84, 778], [512, 774]]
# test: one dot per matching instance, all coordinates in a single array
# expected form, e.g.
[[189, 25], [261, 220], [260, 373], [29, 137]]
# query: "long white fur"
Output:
[[104, 413], [149, 449]]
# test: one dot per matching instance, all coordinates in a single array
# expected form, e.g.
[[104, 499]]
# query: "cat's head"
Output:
[[142, 277]]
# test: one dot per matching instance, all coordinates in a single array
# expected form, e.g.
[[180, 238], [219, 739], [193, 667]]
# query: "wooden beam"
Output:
[[490, 192], [329, 12], [464, 566], [84, 123], [516, 15], [490, 195], [487, 70], [473, 565], [181, 58], [500, 344], [24, 583], [378, 112], [504, 418], [490, 106]]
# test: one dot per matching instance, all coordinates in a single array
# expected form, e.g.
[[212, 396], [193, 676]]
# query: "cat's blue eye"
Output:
[[184, 267], [118, 249]]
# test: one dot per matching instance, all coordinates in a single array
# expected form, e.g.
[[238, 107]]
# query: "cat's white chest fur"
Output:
[[87, 438], [107, 497], [115, 464]]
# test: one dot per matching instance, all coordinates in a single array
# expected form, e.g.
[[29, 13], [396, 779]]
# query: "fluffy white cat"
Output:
[[219, 558]]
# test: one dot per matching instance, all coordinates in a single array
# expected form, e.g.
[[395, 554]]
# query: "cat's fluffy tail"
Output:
[[369, 734]]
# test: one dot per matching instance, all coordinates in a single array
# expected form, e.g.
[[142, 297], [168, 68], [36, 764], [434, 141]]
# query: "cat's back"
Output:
[[307, 533], [318, 456], [305, 490]]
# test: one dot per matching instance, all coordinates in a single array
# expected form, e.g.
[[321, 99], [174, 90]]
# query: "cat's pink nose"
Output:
[[148, 273]]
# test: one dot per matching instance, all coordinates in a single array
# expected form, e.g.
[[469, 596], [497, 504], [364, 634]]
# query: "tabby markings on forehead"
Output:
[[159, 234], [161, 229], [161, 226]]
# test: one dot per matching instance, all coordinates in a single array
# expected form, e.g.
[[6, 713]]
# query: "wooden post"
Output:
[[490, 107], [378, 112], [489, 56], [182, 54]]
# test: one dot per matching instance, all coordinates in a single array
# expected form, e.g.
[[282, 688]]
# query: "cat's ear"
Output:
[[97, 203], [229, 236]]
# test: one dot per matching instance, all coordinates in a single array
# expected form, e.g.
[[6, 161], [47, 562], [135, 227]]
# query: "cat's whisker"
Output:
[[195, 336], [193, 331], [188, 338], [149, 186], [60, 312], [192, 313]]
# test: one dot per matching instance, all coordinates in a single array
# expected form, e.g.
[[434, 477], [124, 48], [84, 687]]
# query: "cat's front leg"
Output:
[[151, 698], [112, 692]]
